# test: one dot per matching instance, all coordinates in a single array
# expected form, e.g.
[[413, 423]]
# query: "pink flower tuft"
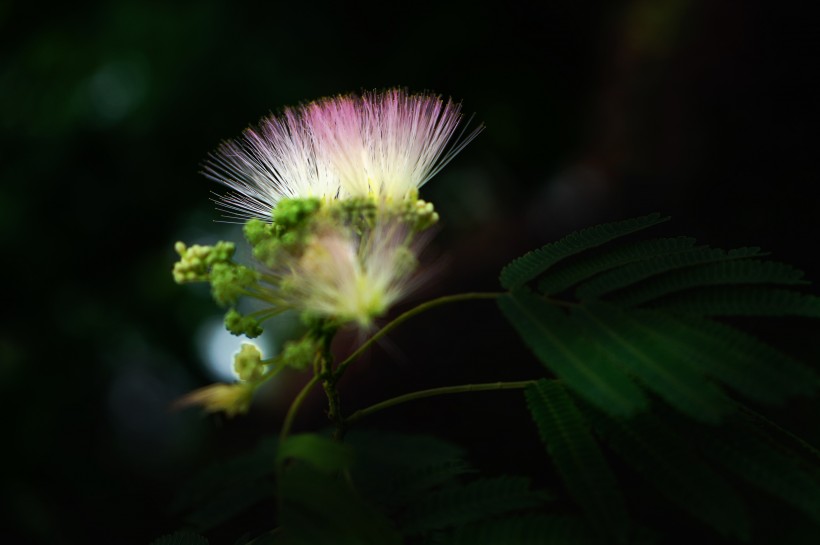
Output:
[[381, 144]]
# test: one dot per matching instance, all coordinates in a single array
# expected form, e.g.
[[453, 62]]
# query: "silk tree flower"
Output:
[[352, 279], [382, 145]]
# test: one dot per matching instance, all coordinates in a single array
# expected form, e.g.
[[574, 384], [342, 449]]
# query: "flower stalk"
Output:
[[432, 392]]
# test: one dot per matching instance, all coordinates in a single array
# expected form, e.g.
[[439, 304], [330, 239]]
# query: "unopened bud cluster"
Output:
[[346, 261]]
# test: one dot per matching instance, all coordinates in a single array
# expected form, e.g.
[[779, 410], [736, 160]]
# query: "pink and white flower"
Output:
[[384, 145]]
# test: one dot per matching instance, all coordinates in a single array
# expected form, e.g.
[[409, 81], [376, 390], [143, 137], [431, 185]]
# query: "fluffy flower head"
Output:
[[350, 278], [380, 144]]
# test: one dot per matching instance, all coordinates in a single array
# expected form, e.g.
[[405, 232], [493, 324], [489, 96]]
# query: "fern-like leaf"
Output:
[[394, 469], [669, 464], [722, 273], [565, 348], [807, 452], [757, 458], [651, 351], [742, 301], [636, 272], [737, 359], [405, 486], [576, 455], [459, 505], [530, 265], [559, 278]]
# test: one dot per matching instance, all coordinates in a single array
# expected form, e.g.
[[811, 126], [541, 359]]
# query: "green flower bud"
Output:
[[248, 362], [357, 212], [229, 281], [242, 325], [195, 262], [300, 354], [256, 231], [293, 213], [420, 215]]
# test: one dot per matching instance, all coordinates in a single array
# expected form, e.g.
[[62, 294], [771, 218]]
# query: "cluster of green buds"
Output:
[[252, 371], [336, 262], [345, 260]]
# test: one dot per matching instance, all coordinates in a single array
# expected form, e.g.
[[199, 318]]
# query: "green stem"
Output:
[[406, 316], [294, 408], [462, 388]]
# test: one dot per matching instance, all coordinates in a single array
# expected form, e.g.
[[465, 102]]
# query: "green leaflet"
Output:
[[599, 349], [559, 278], [738, 360], [635, 272], [667, 461], [742, 301], [713, 274], [577, 457], [530, 265], [323, 454], [654, 354], [569, 351]]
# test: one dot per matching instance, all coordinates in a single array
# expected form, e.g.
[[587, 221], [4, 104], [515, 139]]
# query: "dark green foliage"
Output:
[[227, 489], [639, 334], [743, 301], [267, 538], [666, 460], [563, 277], [531, 265], [577, 457], [322, 508], [528, 530], [737, 359], [564, 346], [423, 483], [320, 452], [377, 488], [752, 455], [720, 273], [652, 351], [319, 502], [636, 321], [452, 507], [181, 538], [396, 469], [652, 265]]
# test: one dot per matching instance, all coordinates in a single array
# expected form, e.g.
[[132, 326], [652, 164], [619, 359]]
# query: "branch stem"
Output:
[[433, 303], [294, 408], [445, 390]]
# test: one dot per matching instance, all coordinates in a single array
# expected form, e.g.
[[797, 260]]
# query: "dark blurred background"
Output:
[[594, 111]]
